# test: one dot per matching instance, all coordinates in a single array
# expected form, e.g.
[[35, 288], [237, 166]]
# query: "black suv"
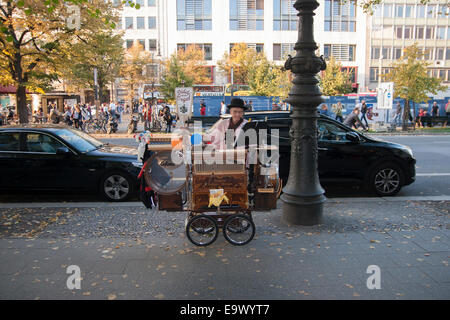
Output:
[[346, 155], [52, 157]]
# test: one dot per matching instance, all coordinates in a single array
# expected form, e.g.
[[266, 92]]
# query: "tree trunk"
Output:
[[405, 116], [21, 98]]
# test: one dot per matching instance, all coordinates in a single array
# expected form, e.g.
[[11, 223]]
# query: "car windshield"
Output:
[[81, 141]]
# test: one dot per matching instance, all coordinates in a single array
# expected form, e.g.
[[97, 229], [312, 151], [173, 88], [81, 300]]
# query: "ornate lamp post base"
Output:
[[301, 210], [303, 197]]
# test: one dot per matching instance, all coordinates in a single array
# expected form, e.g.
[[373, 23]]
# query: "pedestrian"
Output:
[[223, 108], [324, 110], [168, 118], [202, 109], [353, 121], [147, 116], [419, 118], [398, 114], [434, 109], [363, 109], [141, 112], [250, 106], [77, 116], [337, 109]]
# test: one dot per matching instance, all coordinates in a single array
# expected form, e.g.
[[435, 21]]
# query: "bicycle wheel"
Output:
[[239, 229], [202, 230]]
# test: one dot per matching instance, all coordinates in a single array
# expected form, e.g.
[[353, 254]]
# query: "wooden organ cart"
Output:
[[215, 196]]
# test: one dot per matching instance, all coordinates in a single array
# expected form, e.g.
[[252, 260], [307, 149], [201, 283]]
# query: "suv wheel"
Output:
[[386, 179], [116, 186]]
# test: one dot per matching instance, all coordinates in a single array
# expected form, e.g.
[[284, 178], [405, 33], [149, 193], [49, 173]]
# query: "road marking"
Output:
[[432, 174]]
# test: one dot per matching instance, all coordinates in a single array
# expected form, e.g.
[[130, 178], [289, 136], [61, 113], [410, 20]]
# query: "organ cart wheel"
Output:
[[202, 230], [239, 229]]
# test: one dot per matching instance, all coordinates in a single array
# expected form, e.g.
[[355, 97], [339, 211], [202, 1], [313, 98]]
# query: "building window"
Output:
[[439, 53], [128, 22], [378, 11], [428, 54], [420, 13], [152, 22], [431, 11], [258, 47], [151, 3], [194, 15], [341, 52], [442, 11], [447, 54], [129, 43], [387, 12], [399, 10], [440, 34], [340, 16], [375, 71], [408, 32], [142, 43], [409, 11], [284, 15], [399, 32], [205, 47], [419, 32], [397, 53], [247, 14], [386, 53], [140, 2], [152, 70], [152, 44], [429, 33], [375, 53], [282, 50], [140, 23]]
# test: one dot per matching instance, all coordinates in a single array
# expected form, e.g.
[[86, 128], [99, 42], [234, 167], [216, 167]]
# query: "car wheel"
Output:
[[386, 179], [116, 186]]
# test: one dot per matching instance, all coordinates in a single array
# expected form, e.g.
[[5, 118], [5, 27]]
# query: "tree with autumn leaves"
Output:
[[32, 34], [250, 67], [184, 68]]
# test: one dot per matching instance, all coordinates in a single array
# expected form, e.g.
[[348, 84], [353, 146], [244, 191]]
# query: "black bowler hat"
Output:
[[237, 103]]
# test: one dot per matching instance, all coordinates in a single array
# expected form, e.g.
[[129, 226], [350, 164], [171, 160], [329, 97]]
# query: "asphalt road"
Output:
[[433, 172]]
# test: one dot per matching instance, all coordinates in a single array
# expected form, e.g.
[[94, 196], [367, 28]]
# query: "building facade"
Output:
[[397, 24], [163, 26]]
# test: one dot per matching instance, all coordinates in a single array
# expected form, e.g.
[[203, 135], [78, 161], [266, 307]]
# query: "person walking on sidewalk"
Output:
[[168, 118], [398, 114], [363, 109], [337, 109]]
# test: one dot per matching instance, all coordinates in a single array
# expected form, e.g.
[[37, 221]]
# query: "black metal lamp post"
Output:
[[303, 197]]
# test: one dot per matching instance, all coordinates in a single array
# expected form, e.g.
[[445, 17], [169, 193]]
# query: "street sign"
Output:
[[385, 97]]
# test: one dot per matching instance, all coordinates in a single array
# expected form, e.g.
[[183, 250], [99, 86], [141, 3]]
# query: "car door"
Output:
[[10, 160], [339, 158]]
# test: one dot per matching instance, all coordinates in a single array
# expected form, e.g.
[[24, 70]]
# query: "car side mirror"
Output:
[[63, 151], [353, 137]]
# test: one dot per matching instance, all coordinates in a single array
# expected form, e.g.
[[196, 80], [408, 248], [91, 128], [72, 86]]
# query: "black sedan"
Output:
[[52, 157], [345, 155]]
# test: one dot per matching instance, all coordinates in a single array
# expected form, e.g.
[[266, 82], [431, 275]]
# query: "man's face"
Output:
[[236, 114], [356, 111]]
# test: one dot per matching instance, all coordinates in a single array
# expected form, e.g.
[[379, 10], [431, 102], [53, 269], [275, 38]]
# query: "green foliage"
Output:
[[410, 77], [333, 81], [174, 76], [268, 79]]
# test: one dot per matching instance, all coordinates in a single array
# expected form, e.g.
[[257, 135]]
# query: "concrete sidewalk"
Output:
[[133, 253]]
